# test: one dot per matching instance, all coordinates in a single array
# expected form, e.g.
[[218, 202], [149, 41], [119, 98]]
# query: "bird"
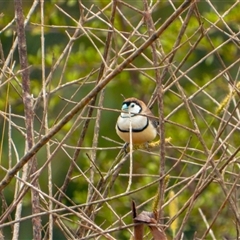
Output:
[[144, 126]]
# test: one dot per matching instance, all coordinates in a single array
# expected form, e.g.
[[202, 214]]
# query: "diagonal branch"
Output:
[[9, 176]]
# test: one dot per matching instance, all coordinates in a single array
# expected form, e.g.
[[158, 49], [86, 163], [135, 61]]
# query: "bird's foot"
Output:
[[126, 148]]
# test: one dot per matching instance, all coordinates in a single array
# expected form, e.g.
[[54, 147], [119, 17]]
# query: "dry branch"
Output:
[[6, 180], [29, 115]]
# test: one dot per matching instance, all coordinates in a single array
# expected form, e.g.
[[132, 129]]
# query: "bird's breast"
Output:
[[137, 123], [142, 129]]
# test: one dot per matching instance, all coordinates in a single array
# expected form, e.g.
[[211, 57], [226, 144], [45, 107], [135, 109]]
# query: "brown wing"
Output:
[[150, 115]]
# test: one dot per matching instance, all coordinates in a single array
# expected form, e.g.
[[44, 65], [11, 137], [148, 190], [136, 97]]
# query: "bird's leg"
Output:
[[146, 146], [125, 147]]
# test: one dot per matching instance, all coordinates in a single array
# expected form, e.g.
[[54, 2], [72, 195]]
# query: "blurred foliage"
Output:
[[83, 63]]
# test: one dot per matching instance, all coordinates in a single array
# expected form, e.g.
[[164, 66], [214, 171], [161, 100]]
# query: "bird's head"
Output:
[[131, 107]]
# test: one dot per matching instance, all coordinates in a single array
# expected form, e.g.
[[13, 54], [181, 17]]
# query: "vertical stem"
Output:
[[49, 234], [102, 70], [27, 102], [154, 47]]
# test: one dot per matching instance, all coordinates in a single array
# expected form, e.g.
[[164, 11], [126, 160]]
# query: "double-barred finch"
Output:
[[144, 126]]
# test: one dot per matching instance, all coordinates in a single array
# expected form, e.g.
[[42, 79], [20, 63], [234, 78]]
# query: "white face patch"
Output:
[[131, 109]]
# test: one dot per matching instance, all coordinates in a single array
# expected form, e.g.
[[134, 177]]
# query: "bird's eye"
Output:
[[132, 105]]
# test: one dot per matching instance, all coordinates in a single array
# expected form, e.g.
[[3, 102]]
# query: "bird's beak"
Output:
[[125, 107]]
